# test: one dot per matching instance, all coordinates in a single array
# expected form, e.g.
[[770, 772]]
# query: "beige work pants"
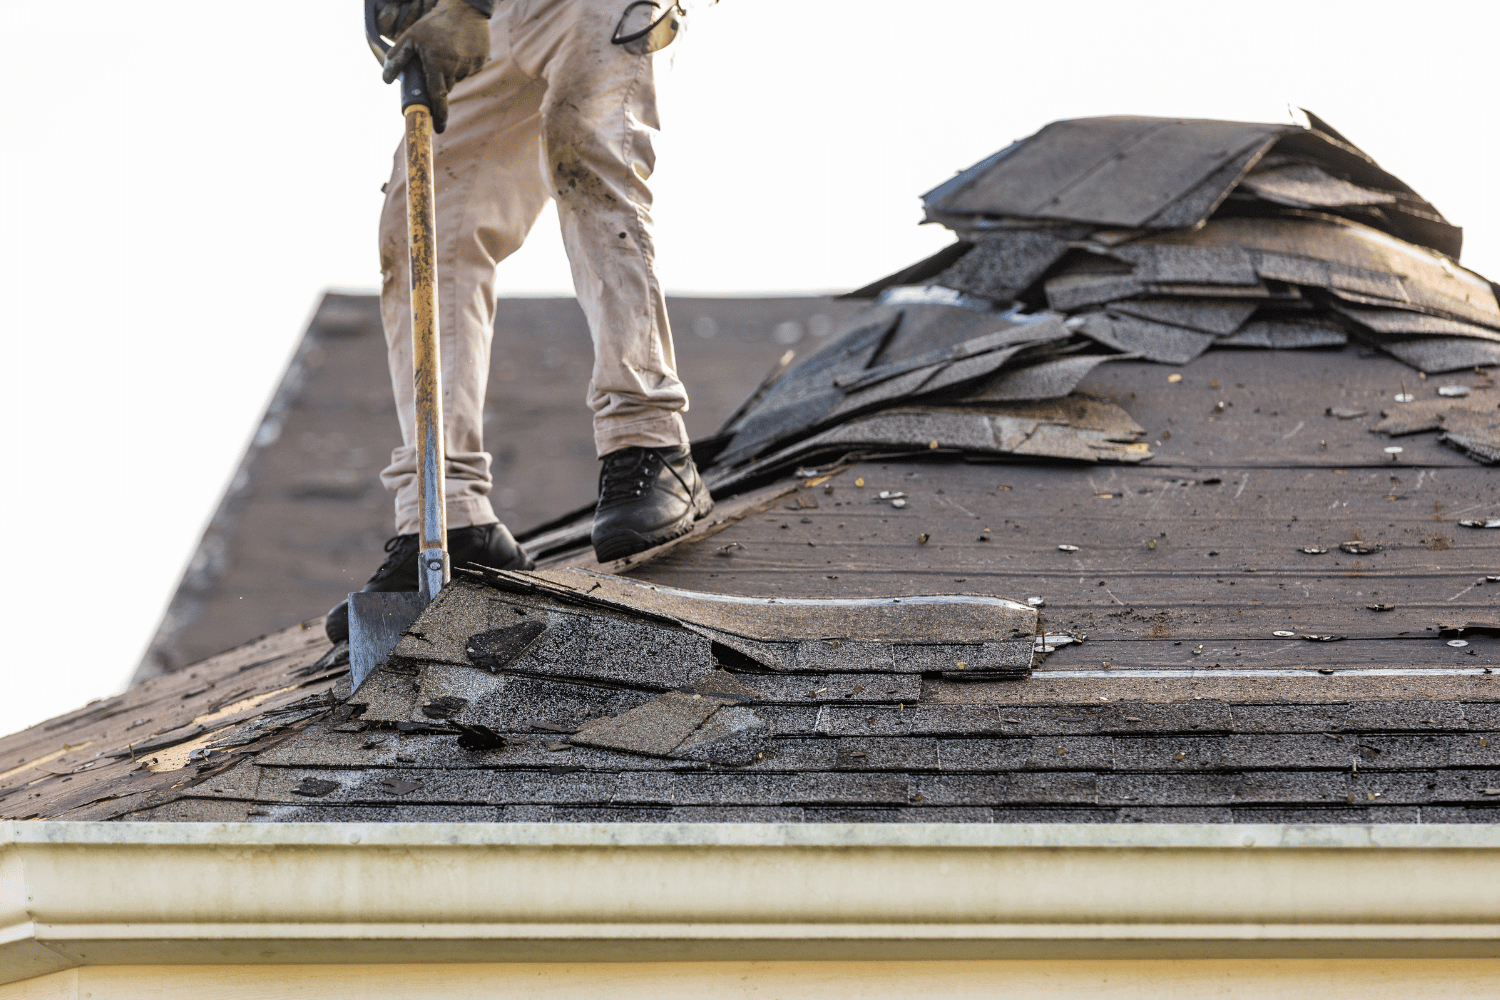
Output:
[[558, 112]]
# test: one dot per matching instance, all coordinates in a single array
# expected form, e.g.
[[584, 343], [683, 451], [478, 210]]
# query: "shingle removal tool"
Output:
[[377, 620]]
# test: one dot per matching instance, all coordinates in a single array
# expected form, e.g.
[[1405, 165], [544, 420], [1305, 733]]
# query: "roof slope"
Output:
[[1232, 597], [1181, 705]]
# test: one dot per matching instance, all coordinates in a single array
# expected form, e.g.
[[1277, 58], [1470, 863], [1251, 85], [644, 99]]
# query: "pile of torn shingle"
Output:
[[626, 666], [1110, 238], [1168, 237]]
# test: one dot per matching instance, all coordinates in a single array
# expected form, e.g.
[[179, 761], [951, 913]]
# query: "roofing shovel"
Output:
[[376, 620]]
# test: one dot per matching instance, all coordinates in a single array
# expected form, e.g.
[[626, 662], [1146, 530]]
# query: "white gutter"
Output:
[[74, 894]]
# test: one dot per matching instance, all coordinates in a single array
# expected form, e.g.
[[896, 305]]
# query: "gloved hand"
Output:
[[453, 41], [395, 16]]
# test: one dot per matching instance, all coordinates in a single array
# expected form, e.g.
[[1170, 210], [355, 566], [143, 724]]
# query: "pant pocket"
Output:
[[645, 28]]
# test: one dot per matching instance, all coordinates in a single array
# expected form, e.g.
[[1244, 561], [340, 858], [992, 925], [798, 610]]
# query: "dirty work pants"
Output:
[[558, 112]]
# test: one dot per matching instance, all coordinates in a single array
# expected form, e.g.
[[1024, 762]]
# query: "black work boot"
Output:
[[647, 496], [477, 545]]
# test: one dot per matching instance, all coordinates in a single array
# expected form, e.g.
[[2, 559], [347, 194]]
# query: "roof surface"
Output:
[[1181, 704], [1215, 591]]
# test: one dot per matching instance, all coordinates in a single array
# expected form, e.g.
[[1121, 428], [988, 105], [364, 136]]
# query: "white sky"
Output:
[[181, 179]]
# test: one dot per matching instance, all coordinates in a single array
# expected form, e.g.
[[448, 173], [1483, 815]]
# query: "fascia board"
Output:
[[126, 893]]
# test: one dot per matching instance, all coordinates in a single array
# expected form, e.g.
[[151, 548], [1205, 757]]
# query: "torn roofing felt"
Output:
[[670, 673]]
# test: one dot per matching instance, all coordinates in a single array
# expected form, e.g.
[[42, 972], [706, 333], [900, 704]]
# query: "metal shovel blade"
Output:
[[376, 622]]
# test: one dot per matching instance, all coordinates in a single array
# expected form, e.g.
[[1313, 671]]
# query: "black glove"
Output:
[[452, 39]]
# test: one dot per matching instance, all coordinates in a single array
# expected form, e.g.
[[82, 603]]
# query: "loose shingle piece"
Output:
[[1475, 434], [1469, 423]]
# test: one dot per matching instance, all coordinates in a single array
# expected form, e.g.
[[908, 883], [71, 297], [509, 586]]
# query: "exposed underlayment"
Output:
[[979, 558]]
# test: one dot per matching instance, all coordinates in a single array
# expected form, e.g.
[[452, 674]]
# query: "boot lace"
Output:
[[398, 548], [630, 473]]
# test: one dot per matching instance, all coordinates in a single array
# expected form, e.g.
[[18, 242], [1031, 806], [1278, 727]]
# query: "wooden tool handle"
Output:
[[432, 566]]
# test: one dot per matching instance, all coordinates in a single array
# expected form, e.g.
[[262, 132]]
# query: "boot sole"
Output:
[[628, 543]]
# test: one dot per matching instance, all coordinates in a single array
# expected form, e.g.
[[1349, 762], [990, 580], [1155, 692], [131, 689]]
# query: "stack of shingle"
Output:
[[1107, 239], [1165, 237]]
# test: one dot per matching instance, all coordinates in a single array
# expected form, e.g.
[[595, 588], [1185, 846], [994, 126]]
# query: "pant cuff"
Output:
[[666, 431], [463, 512]]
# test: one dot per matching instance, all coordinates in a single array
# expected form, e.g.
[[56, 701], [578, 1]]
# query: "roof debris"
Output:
[[653, 670], [1291, 226], [1115, 238], [1454, 631], [1468, 424], [929, 369], [315, 787]]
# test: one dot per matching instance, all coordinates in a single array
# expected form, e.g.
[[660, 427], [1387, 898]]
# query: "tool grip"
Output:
[[413, 82], [414, 85]]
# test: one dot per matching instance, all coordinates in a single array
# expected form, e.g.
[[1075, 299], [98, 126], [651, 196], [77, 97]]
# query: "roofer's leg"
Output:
[[488, 195], [599, 116]]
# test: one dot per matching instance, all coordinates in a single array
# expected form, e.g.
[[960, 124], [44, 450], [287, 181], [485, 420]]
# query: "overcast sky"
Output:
[[181, 180]]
